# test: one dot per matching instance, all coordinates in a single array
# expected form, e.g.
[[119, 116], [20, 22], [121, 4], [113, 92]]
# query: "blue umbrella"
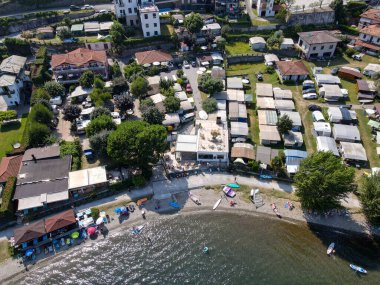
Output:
[[29, 252], [117, 210]]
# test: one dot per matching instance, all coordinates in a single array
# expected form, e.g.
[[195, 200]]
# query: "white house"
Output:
[[265, 8], [369, 17], [12, 77], [150, 20], [292, 70], [127, 9], [257, 43], [369, 38], [287, 43], [317, 44]]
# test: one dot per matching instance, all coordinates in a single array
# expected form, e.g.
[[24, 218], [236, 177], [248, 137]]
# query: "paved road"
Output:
[[97, 8], [192, 76]]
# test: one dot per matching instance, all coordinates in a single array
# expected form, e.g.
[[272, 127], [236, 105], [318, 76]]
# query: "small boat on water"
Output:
[[137, 229], [330, 249], [205, 249], [217, 204], [229, 192], [358, 269], [194, 198], [233, 185]]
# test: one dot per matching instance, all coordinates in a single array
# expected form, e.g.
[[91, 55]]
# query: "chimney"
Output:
[[34, 158]]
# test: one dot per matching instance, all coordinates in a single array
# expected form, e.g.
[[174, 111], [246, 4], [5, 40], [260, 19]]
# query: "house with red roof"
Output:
[[152, 56], [369, 17], [292, 70], [369, 38], [68, 67], [9, 167]]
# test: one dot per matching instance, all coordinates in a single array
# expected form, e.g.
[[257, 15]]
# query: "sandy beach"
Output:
[[12, 269]]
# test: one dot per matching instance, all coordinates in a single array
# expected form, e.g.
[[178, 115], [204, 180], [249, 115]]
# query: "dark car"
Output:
[[193, 64], [314, 107], [74, 8], [309, 90], [345, 107], [334, 71], [259, 76]]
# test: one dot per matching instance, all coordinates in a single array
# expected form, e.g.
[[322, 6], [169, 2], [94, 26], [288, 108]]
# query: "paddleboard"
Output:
[[330, 248], [137, 229], [216, 204], [233, 185], [358, 269]]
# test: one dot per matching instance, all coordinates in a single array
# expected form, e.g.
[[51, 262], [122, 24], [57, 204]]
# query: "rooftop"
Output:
[[292, 68], [7, 80], [9, 167], [87, 177], [148, 8], [234, 83], [373, 30], [282, 94], [265, 154], [265, 103], [353, 151], [264, 90], [13, 64], [267, 117], [78, 57], [373, 14], [269, 133], [244, 150], [206, 141], [327, 144], [318, 37], [51, 151], [294, 116], [151, 56], [257, 40]]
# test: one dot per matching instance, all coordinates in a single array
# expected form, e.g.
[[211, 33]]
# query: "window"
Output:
[[135, 10], [378, 40], [155, 33], [146, 25], [147, 34], [122, 12], [105, 46], [131, 21], [314, 48], [130, 10], [205, 156], [220, 157], [137, 22], [146, 16], [364, 36], [129, 1], [154, 15], [155, 25], [322, 47], [331, 46]]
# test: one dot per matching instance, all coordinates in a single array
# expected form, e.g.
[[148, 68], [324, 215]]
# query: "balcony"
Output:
[[79, 69]]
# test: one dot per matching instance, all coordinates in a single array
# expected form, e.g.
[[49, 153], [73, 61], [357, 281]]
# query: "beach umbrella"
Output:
[[117, 210], [123, 209], [239, 160], [146, 65], [91, 230], [200, 72], [99, 221], [156, 63], [203, 48], [74, 235], [29, 252]]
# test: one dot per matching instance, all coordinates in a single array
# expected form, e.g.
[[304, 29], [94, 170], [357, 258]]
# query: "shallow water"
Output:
[[243, 250]]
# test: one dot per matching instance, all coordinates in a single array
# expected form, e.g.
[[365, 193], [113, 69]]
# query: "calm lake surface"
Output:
[[244, 250]]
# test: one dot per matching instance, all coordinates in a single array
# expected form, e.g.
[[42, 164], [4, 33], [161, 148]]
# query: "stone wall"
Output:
[[317, 16]]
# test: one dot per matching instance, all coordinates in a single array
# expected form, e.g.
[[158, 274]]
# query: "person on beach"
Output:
[[235, 180]]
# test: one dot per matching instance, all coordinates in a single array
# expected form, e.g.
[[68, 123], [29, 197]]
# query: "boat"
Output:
[[217, 204], [205, 249], [233, 185], [229, 192], [137, 229], [358, 269], [194, 198], [330, 249]]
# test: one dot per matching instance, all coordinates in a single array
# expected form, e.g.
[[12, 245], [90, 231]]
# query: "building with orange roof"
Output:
[[369, 38], [369, 17], [292, 70], [68, 67]]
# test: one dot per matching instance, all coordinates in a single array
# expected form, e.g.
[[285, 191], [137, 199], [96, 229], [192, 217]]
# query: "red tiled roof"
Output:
[[373, 14], [78, 57], [151, 56], [60, 221], [373, 30], [292, 67], [367, 45], [9, 167], [319, 37]]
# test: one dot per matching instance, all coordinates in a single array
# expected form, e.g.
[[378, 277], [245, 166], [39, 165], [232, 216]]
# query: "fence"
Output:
[[245, 58]]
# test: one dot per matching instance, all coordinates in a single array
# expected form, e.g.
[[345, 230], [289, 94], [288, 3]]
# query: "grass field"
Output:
[[10, 134], [4, 251]]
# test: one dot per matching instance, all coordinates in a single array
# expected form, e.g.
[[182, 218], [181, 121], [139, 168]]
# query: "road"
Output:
[[99, 7], [192, 76]]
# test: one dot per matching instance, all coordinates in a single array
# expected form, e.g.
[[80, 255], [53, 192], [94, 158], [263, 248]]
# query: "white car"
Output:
[[310, 96], [103, 11], [87, 7], [187, 66]]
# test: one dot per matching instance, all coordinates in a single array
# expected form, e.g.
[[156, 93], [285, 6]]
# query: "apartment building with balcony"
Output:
[[317, 44], [265, 8], [128, 10], [150, 19], [229, 8], [68, 67], [12, 79], [369, 38]]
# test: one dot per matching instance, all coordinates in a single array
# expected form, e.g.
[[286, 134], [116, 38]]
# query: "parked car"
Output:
[[310, 96], [309, 90], [189, 89], [70, 40], [307, 84], [87, 7], [74, 8], [187, 117], [193, 64], [241, 140], [186, 64], [103, 11], [334, 71], [56, 100], [345, 107], [344, 92], [358, 56], [116, 117], [314, 107], [259, 76]]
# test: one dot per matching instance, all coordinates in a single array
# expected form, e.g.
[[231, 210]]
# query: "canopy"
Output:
[[203, 115], [146, 64], [99, 221], [239, 160], [91, 230], [74, 235]]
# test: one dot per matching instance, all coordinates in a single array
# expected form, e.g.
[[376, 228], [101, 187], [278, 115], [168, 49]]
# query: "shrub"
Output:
[[99, 111], [350, 52], [95, 213], [7, 205], [54, 89], [37, 134], [100, 123], [138, 180], [7, 115], [98, 142], [209, 105], [41, 114], [269, 69], [39, 94]]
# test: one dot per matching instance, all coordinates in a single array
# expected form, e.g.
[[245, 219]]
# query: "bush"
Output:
[[39, 94], [99, 111], [87, 79], [254, 165], [98, 142], [41, 114], [7, 115], [99, 124], [138, 180], [37, 134], [7, 208], [269, 69], [18, 46], [209, 105], [100, 96], [54, 89], [121, 185], [350, 52], [95, 213]]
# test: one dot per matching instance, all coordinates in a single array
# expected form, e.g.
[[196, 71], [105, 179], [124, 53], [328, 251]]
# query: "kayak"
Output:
[[358, 269], [229, 192], [217, 204], [330, 249], [137, 229], [233, 185], [194, 198]]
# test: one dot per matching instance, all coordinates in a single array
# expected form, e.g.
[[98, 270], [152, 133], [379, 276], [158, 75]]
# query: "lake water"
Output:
[[244, 249]]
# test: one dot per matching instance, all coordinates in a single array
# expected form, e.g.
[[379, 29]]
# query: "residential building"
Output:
[[212, 29], [128, 10], [239, 130], [151, 56], [257, 43], [287, 43], [346, 133], [317, 44], [265, 8], [349, 73], [369, 38], [327, 144], [371, 69], [296, 119], [242, 150], [265, 154], [293, 139], [269, 135], [45, 33], [366, 90], [264, 90], [369, 17], [12, 80], [149, 19], [86, 180], [310, 16], [293, 159], [229, 8], [353, 153], [9, 167], [68, 67], [292, 70]]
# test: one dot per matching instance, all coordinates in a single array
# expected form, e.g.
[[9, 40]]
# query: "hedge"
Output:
[[7, 205], [8, 115]]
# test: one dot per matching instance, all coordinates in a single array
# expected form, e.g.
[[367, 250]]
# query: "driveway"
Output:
[[192, 76]]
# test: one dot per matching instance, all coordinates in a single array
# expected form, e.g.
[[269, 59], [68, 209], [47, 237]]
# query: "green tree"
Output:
[[38, 134], [39, 94], [276, 163], [100, 97], [67, 21], [87, 79], [369, 194], [275, 40], [7, 115], [116, 71], [118, 35], [145, 104], [98, 83], [153, 116], [284, 124], [139, 87], [119, 85], [64, 33], [99, 124], [340, 11], [210, 85], [71, 112], [282, 15], [132, 71], [137, 144], [209, 105], [99, 111], [41, 114], [226, 29], [172, 104], [322, 181], [123, 102], [193, 23], [167, 92], [54, 89], [98, 142]]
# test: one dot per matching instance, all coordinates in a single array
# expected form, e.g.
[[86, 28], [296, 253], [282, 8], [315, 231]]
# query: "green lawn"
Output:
[[10, 134], [4, 251], [167, 30], [235, 48]]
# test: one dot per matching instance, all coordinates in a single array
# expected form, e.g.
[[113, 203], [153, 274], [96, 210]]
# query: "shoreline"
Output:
[[15, 271]]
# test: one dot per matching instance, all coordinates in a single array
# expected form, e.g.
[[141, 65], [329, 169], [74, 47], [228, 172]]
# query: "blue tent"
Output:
[[117, 210], [29, 252]]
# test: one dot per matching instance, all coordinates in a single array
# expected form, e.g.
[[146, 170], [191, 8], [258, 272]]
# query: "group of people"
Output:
[[289, 205]]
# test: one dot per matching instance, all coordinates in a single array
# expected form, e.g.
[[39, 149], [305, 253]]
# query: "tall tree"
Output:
[[210, 105], [193, 23], [369, 194], [99, 111], [71, 112], [99, 124], [153, 116], [118, 35], [54, 89], [123, 102], [210, 84], [284, 124], [41, 114], [137, 144], [87, 79], [322, 181], [100, 96], [340, 11], [139, 87], [172, 104]]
